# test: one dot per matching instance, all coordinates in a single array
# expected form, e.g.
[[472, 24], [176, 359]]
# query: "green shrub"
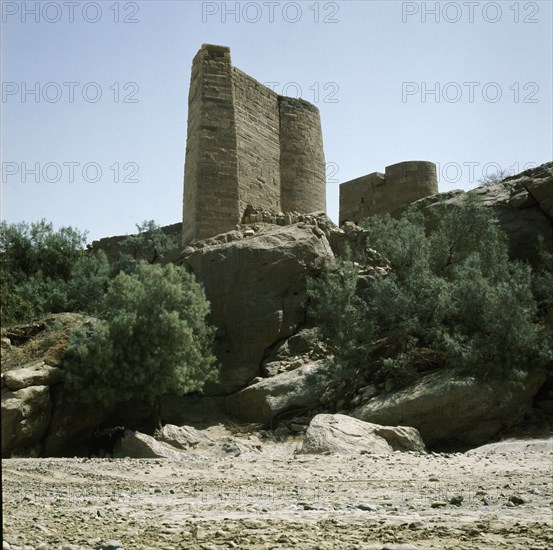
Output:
[[340, 314], [46, 271], [148, 244], [453, 298], [153, 339], [37, 265], [28, 249]]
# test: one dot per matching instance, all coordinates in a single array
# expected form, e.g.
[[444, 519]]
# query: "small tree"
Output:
[[153, 339]]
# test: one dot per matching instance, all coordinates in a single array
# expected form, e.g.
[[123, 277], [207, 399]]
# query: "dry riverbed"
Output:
[[271, 497]]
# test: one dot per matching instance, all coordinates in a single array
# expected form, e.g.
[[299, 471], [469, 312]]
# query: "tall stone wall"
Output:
[[258, 142], [360, 196], [302, 163], [246, 145], [388, 193], [211, 167]]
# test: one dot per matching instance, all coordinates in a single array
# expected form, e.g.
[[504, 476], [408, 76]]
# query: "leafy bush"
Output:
[[47, 271], [149, 244], [43, 270], [452, 299], [28, 249], [153, 339], [340, 313]]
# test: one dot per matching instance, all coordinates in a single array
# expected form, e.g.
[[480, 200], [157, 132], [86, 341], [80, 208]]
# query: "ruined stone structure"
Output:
[[246, 145], [387, 193]]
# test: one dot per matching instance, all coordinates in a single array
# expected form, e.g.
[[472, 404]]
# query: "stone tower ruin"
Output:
[[246, 145], [387, 193]]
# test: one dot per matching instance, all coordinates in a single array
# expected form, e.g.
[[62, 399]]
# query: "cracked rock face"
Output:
[[450, 406], [341, 434], [522, 206], [257, 290]]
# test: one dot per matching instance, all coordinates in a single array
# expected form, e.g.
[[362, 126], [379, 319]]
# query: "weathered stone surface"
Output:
[[246, 146], [297, 389], [341, 434], [257, 290], [52, 424], [139, 445], [522, 206], [378, 194], [38, 374], [25, 419], [183, 437], [112, 246], [516, 447], [451, 407], [303, 347]]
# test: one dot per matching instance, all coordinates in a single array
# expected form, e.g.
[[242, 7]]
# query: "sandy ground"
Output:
[[272, 497]]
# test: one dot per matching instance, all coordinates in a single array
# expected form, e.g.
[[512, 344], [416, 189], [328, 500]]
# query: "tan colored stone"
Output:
[[246, 146], [38, 374]]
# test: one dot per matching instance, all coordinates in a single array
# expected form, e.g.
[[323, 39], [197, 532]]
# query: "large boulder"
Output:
[[139, 445], [341, 434], [183, 437], [264, 400], [450, 407], [522, 206], [25, 419], [36, 374], [257, 289], [38, 416], [515, 447]]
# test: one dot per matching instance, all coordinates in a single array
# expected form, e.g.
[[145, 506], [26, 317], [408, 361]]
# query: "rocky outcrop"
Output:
[[515, 447], [38, 374], [297, 390], [522, 206], [139, 445], [257, 289], [183, 437], [449, 407], [25, 419], [37, 418], [341, 434]]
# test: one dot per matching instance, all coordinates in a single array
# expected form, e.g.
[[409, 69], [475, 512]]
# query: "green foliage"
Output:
[[14, 308], [452, 298], [38, 266], [543, 291], [47, 271], [152, 340], [150, 243], [339, 312], [28, 249]]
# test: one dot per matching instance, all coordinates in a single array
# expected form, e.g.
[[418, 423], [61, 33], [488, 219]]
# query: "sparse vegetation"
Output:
[[495, 177]]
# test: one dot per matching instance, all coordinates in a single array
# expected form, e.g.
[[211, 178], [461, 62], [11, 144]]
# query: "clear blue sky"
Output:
[[370, 66]]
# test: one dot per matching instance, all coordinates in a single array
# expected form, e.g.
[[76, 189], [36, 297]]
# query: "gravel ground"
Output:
[[274, 498]]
